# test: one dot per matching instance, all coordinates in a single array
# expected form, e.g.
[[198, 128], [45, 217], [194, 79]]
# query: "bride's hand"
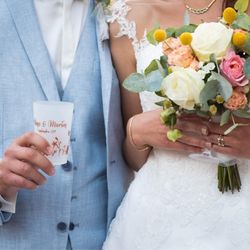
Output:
[[236, 143], [148, 129]]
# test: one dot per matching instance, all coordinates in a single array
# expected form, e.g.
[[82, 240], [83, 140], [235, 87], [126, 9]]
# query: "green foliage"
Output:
[[186, 28], [219, 85], [242, 113], [246, 47], [168, 117], [174, 135], [242, 22], [247, 67], [152, 67], [160, 65], [241, 5], [150, 35], [225, 117], [138, 82], [164, 64], [170, 32]]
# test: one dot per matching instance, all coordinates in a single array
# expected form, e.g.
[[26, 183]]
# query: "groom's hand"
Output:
[[21, 162]]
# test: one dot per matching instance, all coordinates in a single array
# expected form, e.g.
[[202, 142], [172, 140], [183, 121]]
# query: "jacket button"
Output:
[[73, 140], [61, 226], [67, 167], [71, 226]]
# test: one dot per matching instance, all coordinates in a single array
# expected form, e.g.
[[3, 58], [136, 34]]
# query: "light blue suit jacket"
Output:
[[81, 200]]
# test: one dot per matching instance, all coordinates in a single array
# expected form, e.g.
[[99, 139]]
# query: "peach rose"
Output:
[[238, 100], [232, 67], [178, 54]]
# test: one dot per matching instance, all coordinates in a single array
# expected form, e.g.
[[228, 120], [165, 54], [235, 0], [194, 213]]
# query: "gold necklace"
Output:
[[201, 10]]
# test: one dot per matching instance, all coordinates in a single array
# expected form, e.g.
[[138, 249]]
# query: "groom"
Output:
[[56, 50]]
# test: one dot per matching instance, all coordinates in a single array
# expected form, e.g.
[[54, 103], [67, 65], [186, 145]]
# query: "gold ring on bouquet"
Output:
[[220, 141]]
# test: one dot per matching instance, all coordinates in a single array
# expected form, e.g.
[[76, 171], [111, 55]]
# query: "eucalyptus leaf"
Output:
[[209, 92], [224, 88], [225, 117], [241, 5], [138, 83], [242, 21], [160, 93], [246, 47], [171, 32], [135, 83], [150, 36], [164, 63], [242, 113], [152, 67], [247, 68], [161, 103], [153, 81], [186, 28]]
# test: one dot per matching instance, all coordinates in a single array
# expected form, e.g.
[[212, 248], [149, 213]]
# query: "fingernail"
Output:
[[49, 150], [204, 131]]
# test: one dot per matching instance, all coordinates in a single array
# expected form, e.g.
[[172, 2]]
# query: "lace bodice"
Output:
[[144, 51], [173, 202]]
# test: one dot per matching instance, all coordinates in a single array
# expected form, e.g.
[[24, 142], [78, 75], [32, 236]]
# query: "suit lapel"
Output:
[[105, 61], [27, 26]]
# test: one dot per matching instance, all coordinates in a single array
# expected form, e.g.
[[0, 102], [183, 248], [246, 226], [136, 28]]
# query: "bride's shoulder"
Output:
[[133, 16]]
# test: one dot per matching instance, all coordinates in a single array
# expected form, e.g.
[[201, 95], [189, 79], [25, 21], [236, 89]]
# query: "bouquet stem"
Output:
[[228, 177]]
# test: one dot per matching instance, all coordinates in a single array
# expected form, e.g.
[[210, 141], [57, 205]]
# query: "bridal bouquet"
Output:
[[204, 70]]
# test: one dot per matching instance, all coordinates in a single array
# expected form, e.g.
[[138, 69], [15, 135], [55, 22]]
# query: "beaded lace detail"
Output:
[[118, 12]]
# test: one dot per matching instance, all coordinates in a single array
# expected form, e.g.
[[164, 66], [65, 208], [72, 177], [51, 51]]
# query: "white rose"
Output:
[[211, 38], [183, 86]]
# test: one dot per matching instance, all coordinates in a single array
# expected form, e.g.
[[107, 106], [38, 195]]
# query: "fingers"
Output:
[[193, 140], [27, 171], [226, 150], [31, 156], [228, 140], [178, 146], [12, 180], [192, 127], [35, 140]]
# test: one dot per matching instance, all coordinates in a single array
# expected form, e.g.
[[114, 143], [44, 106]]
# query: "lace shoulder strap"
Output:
[[118, 12]]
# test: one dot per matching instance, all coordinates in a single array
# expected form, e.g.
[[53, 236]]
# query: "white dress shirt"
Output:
[[61, 22]]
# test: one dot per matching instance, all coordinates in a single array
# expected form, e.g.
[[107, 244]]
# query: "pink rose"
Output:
[[232, 67], [238, 100], [178, 54]]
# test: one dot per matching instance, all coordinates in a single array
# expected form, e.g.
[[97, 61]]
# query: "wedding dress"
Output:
[[174, 203]]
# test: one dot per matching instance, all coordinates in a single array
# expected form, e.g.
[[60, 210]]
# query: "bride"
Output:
[[173, 203]]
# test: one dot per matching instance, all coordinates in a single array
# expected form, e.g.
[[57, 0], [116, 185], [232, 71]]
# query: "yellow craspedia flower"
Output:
[[213, 109], [229, 15], [167, 104], [186, 38], [219, 99], [160, 35], [170, 70], [239, 38]]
